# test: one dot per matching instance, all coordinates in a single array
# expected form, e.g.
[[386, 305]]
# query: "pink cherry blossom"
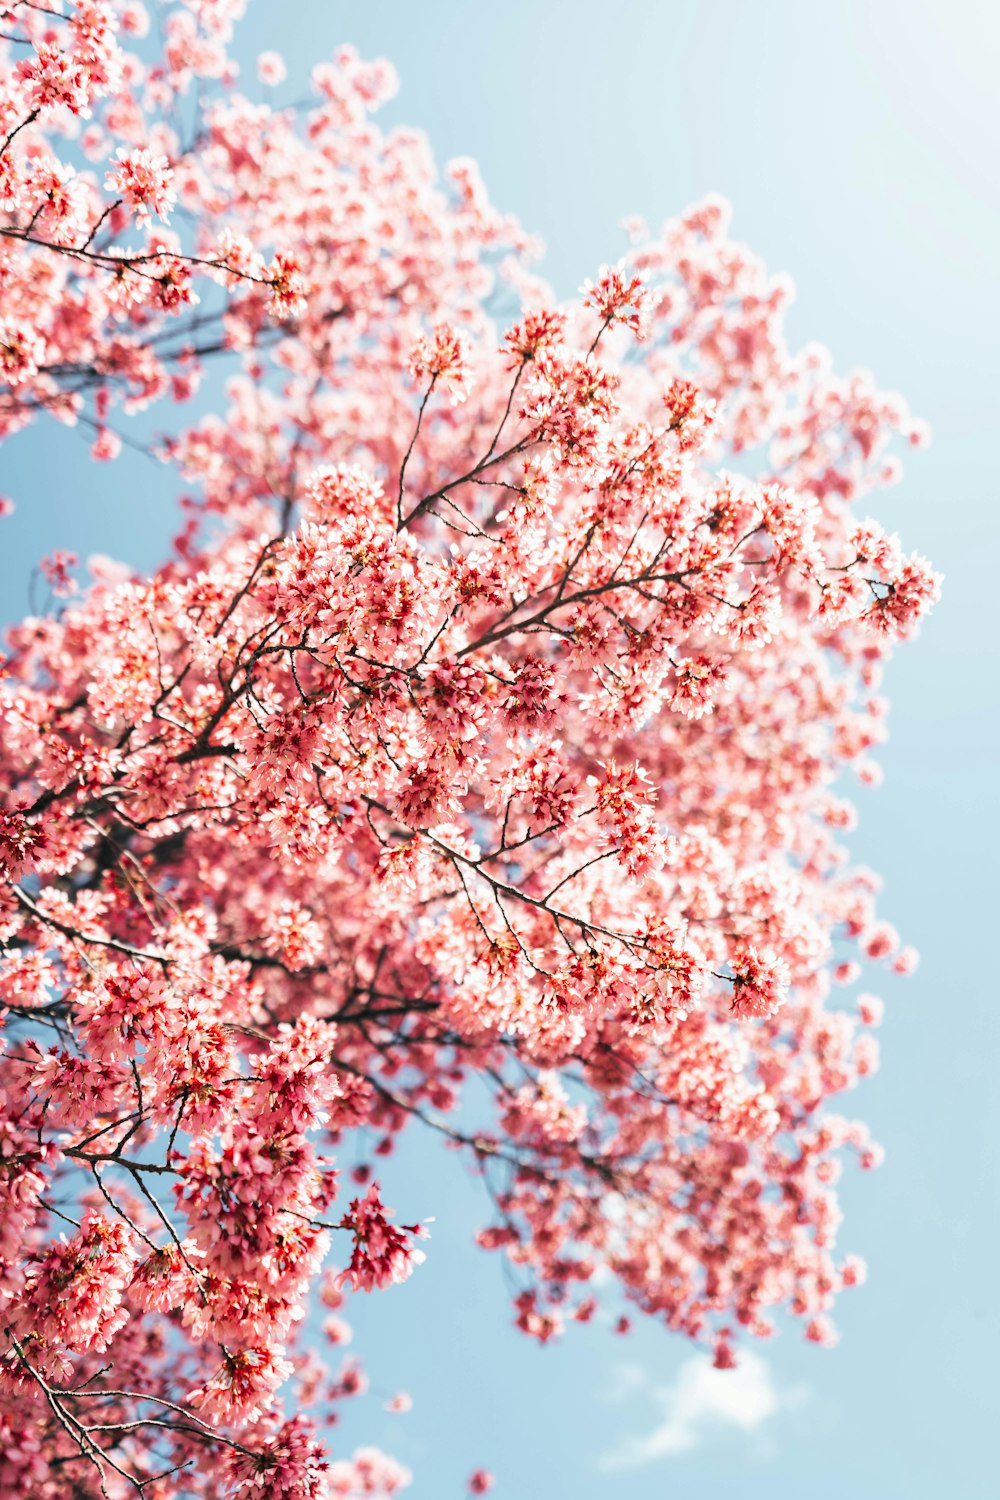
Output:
[[271, 68], [618, 300], [381, 1254], [145, 182], [759, 981]]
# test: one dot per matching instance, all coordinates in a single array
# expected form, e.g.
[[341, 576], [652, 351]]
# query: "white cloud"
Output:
[[703, 1398], [627, 1381]]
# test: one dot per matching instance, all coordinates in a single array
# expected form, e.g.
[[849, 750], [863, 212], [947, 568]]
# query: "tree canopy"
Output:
[[473, 763]]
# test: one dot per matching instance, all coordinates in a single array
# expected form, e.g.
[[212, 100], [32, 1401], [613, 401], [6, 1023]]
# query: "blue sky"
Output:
[[858, 143]]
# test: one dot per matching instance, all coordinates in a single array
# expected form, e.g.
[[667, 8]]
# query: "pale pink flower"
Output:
[[242, 1387], [146, 183], [441, 355], [271, 69], [760, 981], [618, 299]]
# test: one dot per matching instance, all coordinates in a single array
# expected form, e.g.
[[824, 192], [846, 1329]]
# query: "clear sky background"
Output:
[[858, 141]]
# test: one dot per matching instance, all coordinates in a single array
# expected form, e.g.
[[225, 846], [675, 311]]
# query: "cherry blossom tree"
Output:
[[474, 763]]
